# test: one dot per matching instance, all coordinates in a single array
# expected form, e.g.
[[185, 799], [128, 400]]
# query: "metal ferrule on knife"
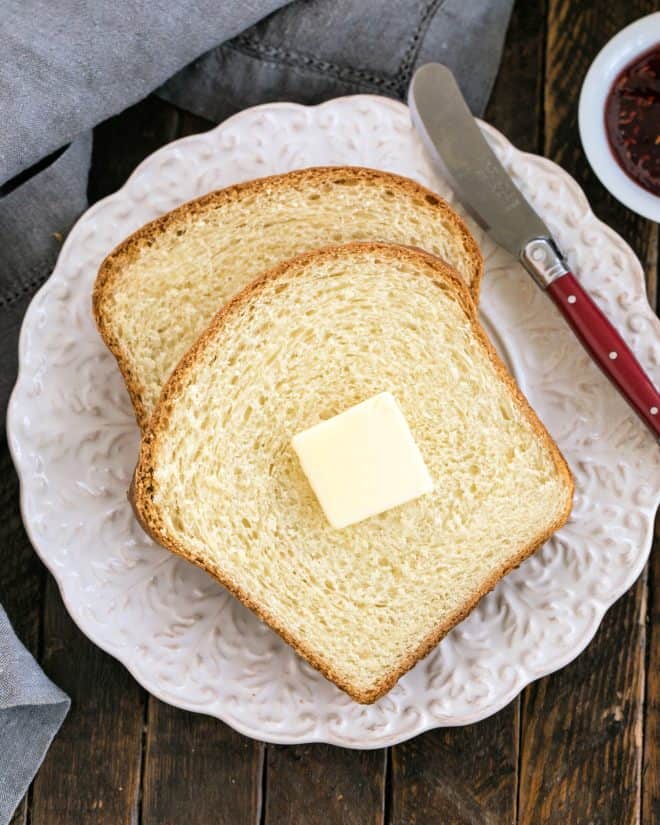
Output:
[[457, 145], [543, 260]]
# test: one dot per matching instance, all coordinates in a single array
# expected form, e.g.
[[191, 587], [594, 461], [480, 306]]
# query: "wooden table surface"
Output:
[[580, 746]]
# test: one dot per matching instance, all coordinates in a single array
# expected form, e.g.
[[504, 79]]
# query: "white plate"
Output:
[[182, 636], [621, 50]]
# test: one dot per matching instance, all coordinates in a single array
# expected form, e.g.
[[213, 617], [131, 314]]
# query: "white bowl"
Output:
[[622, 49]]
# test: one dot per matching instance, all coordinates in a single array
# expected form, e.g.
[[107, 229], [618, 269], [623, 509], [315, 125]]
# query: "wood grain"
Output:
[[516, 104], [578, 741], [308, 784], [197, 771], [470, 775], [456, 776], [92, 770], [321, 784], [582, 728], [20, 816], [190, 124], [576, 33], [651, 756], [581, 742], [124, 141]]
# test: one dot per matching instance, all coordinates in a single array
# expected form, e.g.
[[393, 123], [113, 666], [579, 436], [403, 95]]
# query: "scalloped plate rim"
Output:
[[601, 606]]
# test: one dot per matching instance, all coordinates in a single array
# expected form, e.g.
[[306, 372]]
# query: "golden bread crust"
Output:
[[143, 484], [113, 265]]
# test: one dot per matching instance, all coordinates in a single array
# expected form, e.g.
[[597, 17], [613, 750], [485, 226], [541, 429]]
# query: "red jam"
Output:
[[632, 120]]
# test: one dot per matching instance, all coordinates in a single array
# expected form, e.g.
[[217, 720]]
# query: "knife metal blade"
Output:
[[457, 146]]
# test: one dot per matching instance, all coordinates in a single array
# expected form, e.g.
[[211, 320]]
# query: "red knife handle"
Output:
[[607, 348]]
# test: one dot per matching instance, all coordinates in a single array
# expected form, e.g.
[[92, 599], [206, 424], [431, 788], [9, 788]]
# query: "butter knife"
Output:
[[457, 146]]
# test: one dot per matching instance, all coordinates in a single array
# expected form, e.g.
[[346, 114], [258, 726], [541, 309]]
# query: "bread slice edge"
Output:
[[128, 249], [148, 515]]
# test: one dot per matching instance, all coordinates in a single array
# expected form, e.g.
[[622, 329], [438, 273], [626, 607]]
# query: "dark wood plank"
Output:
[[320, 784], [469, 775], [461, 775], [20, 816], [581, 742], [582, 728], [306, 784], [651, 264], [651, 763], [515, 106], [197, 770], [651, 757], [576, 33], [331, 778], [124, 141], [92, 770], [183, 747], [190, 124]]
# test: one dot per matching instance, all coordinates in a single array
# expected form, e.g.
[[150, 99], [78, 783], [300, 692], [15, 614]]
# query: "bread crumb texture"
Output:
[[219, 482], [159, 289]]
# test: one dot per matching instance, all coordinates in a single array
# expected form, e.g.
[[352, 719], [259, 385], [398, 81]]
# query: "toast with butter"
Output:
[[219, 482], [159, 289]]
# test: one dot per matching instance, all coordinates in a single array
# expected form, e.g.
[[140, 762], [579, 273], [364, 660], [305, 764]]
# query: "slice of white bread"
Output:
[[158, 290], [218, 482]]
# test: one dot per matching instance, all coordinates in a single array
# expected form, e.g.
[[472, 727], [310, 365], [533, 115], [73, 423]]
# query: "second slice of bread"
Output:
[[159, 289], [218, 481]]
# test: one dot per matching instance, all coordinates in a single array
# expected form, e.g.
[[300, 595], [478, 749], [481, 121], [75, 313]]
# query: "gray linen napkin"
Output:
[[320, 49], [68, 65], [31, 711]]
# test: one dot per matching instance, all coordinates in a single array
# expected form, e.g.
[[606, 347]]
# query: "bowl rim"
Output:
[[630, 42]]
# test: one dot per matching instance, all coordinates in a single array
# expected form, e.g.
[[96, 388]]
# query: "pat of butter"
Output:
[[363, 461]]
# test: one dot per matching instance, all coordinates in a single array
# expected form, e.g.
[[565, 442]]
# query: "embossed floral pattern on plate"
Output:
[[183, 637]]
